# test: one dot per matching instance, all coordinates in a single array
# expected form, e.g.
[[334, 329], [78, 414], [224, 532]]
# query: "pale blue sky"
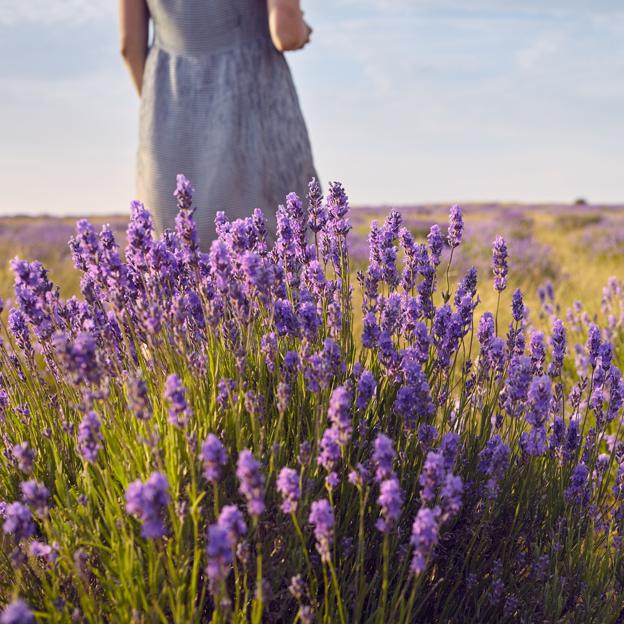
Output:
[[406, 101]]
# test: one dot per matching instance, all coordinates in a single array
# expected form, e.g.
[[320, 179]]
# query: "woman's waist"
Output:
[[195, 43]]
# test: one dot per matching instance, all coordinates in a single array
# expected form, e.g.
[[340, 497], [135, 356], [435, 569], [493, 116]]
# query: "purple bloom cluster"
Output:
[[493, 462], [90, 437], [214, 457], [288, 487], [18, 521], [322, 518], [175, 395], [17, 613], [425, 535], [339, 413], [249, 473], [390, 500], [36, 495], [499, 263], [148, 502], [431, 412]]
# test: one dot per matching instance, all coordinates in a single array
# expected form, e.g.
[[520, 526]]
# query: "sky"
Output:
[[407, 101]]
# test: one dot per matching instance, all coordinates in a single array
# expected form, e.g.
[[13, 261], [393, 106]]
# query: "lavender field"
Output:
[[384, 416]]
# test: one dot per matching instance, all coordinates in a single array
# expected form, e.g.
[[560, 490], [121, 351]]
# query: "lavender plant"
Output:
[[203, 436]]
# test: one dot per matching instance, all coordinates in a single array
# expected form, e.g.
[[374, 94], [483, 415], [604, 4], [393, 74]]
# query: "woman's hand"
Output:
[[289, 31], [133, 32]]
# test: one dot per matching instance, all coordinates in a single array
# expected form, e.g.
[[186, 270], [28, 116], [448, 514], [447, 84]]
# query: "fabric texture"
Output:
[[218, 104]]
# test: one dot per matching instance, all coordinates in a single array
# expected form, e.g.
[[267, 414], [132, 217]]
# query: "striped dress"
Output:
[[218, 104]]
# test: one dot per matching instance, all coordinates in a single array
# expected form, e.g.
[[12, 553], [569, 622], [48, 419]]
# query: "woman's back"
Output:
[[218, 104], [198, 27]]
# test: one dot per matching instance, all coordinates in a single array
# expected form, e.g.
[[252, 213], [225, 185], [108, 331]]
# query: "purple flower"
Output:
[[517, 383], [593, 344], [432, 476], [17, 613], [323, 367], [44, 551], [175, 395], [499, 263], [90, 437], [390, 500], [456, 226], [24, 456], [449, 448], [413, 400], [330, 449], [219, 554], [249, 473], [359, 476], [285, 319], [317, 215], [231, 519], [214, 457], [139, 236], [486, 332], [366, 389], [339, 413], [558, 342], [452, 495], [517, 306], [383, 457], [288, 487], [427, 435], [309, 320], [539, 397], [538, 351], [370, 331], [436, 243], [322, 518], [18, 521], [35, 495], [494, 461], [534, 442], [148, 502], [424, 537], [79, 359], [578, 492], [19, 329]]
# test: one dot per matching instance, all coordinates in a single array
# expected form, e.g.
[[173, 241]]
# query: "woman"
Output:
[[217, 104]]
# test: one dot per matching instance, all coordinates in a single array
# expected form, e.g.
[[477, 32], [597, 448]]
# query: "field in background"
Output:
[[577, 247]]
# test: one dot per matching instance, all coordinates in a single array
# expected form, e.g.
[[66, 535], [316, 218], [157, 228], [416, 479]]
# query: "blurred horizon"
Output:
[[407, 102]]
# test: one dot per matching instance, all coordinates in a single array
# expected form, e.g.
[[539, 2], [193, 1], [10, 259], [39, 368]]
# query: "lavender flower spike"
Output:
[[390, 500], [175, 395], [90, 437], [251, 479], [499, 263], [232, 520], [214, 457], [148, 501], [424, 537], [219, 554], [456, 226], [18, 521], [17, 613], [383, 456], [288, 487], [322, 518], [339, 413]]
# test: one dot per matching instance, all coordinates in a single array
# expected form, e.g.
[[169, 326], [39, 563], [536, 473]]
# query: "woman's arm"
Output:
[[287, 26], [133, 32]]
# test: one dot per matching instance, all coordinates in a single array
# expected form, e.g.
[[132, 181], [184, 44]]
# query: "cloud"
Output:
[[13, 12]]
